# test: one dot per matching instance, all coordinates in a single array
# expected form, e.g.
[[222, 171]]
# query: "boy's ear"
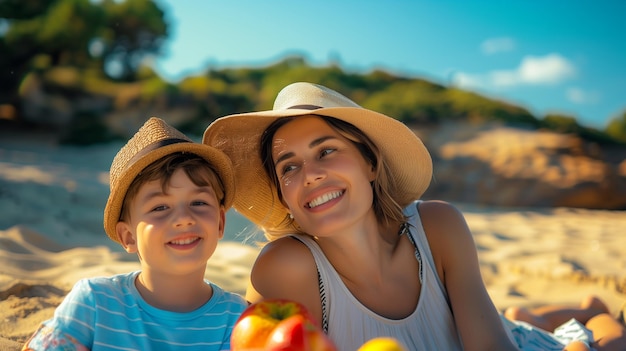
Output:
[[129, 242], [222, 222]]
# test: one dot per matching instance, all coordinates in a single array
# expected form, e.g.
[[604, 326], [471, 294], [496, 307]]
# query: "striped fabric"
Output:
[[530, 338], [107, 313]]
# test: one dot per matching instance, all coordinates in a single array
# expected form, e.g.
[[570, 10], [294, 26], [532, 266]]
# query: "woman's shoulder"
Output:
[[436, 205], [440, 214], [285, 268], [283, 264], [445, 227], [288, 254]]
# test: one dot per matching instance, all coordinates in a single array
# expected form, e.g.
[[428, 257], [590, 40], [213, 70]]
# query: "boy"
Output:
[[167, 203]]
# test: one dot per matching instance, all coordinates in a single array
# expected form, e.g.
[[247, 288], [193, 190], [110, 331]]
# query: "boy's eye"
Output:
[[199, 203], [159, 208]]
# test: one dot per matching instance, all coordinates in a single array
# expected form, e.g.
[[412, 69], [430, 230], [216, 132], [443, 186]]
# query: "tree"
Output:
[[617, 127], [134, 29], [111, 36], [561, 123], [60, 30]]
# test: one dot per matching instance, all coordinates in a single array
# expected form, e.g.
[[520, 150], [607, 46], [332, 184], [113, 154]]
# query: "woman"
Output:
[[335, 188]]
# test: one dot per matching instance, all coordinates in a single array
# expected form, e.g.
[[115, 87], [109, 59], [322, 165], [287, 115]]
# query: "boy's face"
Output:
[[174, 232]]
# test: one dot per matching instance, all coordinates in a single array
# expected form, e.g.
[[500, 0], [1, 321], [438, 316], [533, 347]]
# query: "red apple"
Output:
[[296, 333], [288, 335], [278, 324], [319, 341]]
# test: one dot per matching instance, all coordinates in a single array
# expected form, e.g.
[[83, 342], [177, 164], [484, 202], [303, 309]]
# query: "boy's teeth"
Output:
[[324, 199], [184, 241]]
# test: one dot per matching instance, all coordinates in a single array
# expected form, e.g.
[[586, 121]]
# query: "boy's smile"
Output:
[[176, 229], [186, 243]]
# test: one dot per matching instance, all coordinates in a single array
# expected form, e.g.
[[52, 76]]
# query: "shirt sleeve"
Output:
[[72, 326], [46, 338]]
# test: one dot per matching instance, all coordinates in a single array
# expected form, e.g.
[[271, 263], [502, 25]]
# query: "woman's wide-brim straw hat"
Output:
[[239, 137], [154, 140]]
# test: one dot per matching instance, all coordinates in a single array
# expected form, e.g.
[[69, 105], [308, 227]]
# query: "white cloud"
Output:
[[532, 70], [550, 69], [468, 80], [496, 45], [579, 96]]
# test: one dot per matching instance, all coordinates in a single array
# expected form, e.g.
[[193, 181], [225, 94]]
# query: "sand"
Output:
[[51, 200]]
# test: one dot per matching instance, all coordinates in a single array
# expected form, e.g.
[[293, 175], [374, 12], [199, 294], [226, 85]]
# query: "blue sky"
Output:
[[548, 56]]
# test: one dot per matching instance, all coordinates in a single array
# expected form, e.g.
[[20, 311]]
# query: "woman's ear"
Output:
[[128, 240], [372, 173]]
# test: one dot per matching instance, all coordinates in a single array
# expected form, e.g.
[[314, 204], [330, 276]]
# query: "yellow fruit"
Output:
[[382, 344]]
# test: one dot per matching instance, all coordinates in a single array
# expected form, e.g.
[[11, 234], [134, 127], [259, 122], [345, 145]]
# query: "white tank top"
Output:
[[350, 324]]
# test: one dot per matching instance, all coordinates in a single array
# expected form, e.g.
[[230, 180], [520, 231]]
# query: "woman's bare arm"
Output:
[[285, 269], [456, 259]]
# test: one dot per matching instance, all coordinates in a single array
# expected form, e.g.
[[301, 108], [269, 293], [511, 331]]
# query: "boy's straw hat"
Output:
[[239, 137], [154, 140]]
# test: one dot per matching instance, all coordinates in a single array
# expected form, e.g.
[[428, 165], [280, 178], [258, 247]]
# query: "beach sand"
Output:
[[52, 197]]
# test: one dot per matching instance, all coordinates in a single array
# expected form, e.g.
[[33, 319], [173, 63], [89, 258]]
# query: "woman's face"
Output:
[[324, 179]]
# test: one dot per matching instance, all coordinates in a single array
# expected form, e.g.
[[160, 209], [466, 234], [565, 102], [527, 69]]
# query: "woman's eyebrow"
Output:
[[311, 145]]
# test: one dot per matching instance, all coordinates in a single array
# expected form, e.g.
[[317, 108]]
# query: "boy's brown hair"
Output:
[[195, 167]]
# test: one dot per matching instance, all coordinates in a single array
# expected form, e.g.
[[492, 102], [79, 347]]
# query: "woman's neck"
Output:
[[369, 244]]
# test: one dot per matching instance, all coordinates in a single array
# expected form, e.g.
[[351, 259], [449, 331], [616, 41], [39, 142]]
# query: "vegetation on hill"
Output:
[[89, 55]]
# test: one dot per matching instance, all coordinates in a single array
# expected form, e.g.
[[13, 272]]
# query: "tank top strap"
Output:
[[418, 237], [320, 259]]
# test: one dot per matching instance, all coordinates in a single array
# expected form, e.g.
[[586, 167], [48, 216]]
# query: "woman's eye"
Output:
[[325, 152], [287, 169]]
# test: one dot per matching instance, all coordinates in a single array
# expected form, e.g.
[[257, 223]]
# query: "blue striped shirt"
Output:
[[108, 313]]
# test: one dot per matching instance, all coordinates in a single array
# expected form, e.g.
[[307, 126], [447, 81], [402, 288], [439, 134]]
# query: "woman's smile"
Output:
[[320, 200]]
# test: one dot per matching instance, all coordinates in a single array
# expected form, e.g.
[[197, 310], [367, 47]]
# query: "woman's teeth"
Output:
[[324, 198]]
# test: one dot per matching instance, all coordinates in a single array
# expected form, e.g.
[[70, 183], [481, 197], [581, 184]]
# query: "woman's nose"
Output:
[[312, 173]]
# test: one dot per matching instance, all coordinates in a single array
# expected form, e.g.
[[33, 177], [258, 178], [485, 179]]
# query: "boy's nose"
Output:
[[184, 217]]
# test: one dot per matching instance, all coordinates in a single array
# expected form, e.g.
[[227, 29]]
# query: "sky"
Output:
[[552, 56]]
